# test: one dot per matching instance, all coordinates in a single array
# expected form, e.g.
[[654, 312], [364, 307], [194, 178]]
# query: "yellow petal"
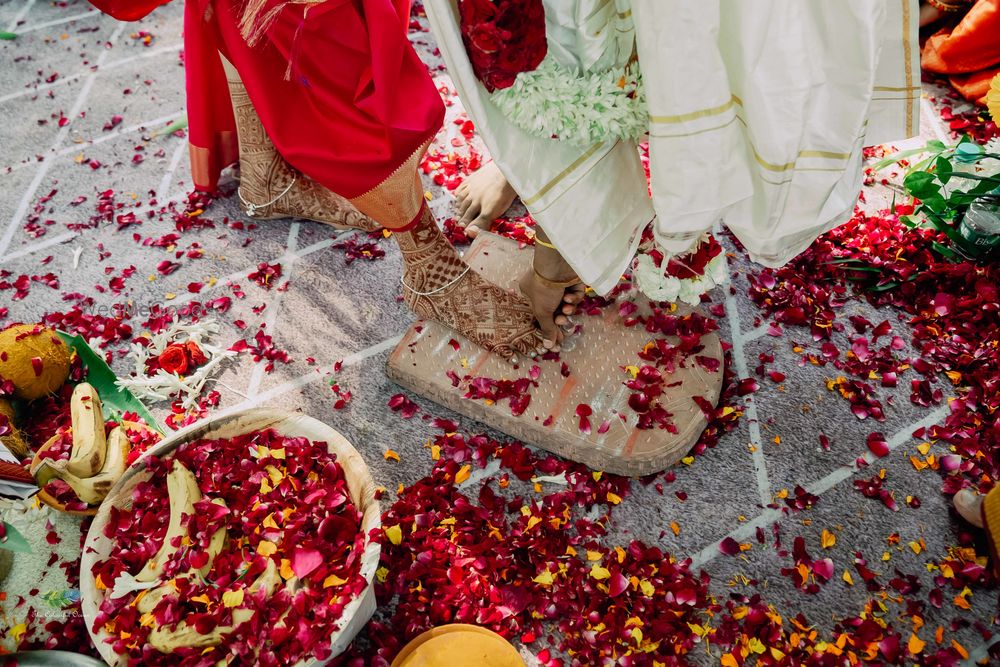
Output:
[[266, 548], [391, 455], [463, 474], [232, 598], [599, 573], [614, 498], [544, 578], [827, 539], [394, 533], [915, 645], [333, 580], [286, 570]]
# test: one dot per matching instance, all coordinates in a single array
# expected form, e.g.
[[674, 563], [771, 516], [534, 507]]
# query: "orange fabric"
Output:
[[991, 521], [969, 52]]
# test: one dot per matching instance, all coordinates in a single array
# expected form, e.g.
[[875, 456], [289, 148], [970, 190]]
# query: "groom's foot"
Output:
[[483, 197], [969, 505], [552, 307], [438, 285]]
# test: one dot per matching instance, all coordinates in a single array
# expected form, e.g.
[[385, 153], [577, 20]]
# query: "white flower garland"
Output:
[[651, 280], [553, 101], [162, 386]]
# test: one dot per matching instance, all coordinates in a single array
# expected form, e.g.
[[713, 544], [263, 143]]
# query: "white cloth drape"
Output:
[[758, 114]]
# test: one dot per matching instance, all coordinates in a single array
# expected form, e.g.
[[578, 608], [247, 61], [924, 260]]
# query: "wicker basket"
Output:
[[359, 482]]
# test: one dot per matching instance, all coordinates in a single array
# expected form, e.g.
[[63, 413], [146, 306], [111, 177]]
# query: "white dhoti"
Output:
[[758, 113]]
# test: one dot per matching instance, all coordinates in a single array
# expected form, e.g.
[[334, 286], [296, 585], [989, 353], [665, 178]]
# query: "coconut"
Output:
[[10, 437], [34, 359]]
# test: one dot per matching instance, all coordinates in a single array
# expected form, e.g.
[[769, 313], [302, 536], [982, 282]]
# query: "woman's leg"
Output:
[[269, 187], [437, 283]]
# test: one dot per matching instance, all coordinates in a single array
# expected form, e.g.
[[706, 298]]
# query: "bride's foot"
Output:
[[969, 506], [270, 188], [438, 285], [483, 197], [295, 195]]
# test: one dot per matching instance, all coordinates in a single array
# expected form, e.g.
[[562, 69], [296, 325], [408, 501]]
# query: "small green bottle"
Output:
[[980, 227]]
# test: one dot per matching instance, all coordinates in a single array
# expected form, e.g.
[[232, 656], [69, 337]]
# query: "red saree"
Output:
[[339, 89], [969, 52]]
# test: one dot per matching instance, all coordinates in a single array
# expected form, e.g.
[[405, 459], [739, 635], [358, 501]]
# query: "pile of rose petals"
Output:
[[286, 501], [952, 306]]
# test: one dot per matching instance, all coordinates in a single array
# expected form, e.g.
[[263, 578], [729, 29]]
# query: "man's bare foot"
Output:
[[439, 286], [969, 505], [483, 197], [552, 307]]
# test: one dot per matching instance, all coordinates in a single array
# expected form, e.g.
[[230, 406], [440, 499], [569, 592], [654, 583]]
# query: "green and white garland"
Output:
[[554, 102]]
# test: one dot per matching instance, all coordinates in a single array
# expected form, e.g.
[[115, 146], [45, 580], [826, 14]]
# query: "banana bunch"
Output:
[[182, 488], [96, 461]]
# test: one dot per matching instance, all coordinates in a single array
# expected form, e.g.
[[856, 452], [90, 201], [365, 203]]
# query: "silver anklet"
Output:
[[252, 208], [439, 289]]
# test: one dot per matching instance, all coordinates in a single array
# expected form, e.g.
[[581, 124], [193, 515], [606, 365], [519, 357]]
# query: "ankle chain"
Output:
[[253, 208], [439, 289]]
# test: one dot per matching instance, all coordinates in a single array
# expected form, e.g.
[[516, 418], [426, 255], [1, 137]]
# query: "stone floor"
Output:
[[71, 71]]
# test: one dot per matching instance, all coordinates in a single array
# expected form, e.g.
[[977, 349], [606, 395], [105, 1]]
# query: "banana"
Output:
[[183, 490], [215, 544], [147, 600], [89, 443], [91, 490], [185, 636], [46, 470]]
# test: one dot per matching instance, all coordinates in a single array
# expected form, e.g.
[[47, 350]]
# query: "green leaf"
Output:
[[896, 157], [943, 226], [178, 124], [14, 541], [922, 185], [944, 250], [944, 169], [935, 202], [8, 36], [100, 375]]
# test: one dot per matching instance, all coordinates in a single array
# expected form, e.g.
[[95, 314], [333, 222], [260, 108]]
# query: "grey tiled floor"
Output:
[[333, 311]]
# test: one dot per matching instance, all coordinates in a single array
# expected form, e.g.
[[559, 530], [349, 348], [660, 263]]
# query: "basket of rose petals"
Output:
[[241, 540]]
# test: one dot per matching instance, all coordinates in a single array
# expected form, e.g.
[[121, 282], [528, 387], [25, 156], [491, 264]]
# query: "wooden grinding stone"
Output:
[[595, 357]]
